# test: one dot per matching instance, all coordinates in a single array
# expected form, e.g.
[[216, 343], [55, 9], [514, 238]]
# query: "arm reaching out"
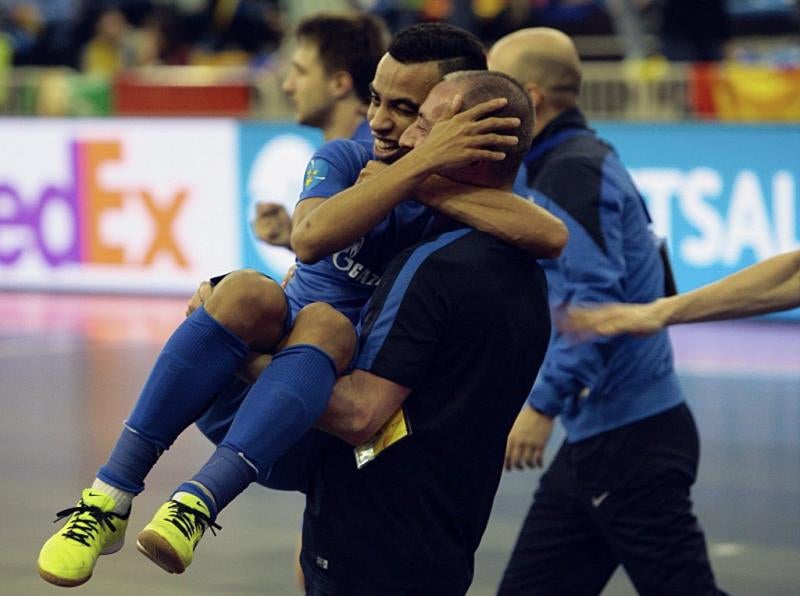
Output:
[[769, 286]]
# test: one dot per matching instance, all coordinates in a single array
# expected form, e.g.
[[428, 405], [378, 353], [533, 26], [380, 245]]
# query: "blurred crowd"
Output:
[[108, 36]]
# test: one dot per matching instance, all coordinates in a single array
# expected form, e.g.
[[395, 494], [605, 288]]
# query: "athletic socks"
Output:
[[122, 498], [220, 480], [195, 363], [280, 408], [129, 463]]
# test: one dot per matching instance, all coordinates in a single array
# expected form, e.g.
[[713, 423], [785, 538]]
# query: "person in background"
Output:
[[111, 49], [618, 490], [328, 83], [694, 31]]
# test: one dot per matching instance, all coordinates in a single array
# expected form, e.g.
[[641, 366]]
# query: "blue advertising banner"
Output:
[[724, 196], [272, 158]]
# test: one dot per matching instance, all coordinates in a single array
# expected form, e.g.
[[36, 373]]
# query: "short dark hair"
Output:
[[353, 42], [453, 48], [485, 85]]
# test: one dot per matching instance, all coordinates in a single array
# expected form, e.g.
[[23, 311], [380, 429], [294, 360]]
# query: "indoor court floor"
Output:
[[71, 367]]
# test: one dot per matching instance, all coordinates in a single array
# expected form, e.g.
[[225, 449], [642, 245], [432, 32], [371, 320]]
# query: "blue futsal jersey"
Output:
[[347, 278]]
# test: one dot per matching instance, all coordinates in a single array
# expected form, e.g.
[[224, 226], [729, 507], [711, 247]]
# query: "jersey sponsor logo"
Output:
[[316, 172], [345, 260]]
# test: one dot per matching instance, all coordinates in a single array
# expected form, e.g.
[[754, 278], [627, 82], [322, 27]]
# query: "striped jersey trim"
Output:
[[376, 335]]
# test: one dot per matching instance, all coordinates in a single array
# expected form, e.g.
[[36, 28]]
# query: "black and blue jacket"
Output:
[[611, 256]]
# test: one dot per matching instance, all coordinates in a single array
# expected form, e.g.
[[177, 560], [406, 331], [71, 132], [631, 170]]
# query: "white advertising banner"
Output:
[[142, 205]]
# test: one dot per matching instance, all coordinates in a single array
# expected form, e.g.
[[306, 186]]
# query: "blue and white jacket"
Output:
[[611, 256]]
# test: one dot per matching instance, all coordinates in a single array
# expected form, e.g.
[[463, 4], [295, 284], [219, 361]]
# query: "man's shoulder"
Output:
[[343, 150], [469, 252], [581, 156]]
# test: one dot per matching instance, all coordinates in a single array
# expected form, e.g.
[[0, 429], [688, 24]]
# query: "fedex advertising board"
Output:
[[117, 205]]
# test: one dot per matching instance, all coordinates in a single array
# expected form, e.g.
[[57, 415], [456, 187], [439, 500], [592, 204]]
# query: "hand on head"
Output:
[[449, 138]]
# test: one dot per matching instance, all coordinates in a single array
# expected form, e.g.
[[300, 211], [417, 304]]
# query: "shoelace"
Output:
[[188, 520], [87, 522]]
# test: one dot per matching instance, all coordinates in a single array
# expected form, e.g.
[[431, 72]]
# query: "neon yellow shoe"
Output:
[[172, 536], [93, 529]]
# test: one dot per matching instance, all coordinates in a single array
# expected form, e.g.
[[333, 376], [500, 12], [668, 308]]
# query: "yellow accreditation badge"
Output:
[[395, 429]]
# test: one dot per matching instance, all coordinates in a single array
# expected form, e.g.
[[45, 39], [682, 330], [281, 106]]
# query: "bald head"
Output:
[[477, 86], [542, 56]]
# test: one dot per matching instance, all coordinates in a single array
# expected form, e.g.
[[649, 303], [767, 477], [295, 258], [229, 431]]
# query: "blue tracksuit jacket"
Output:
[[611, 257]]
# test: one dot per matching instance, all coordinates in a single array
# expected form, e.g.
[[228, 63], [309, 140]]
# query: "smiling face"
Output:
[[396, 94], [309, 86], [433, 109]]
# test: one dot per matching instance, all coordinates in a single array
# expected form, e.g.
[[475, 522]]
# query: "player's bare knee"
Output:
[[252, 306], [321, 325]]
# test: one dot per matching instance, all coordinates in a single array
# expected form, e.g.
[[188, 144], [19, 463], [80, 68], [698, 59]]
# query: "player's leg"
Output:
[[279, 409], [559, 549], [246, 311], [649, 519]]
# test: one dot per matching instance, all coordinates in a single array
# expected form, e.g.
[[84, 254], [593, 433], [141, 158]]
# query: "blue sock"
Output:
[[225, 476], [130, 461], [195, 363], [280, 408]]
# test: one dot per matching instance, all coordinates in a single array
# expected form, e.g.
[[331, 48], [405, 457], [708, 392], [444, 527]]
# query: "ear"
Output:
[[341, 84], [536, 93]]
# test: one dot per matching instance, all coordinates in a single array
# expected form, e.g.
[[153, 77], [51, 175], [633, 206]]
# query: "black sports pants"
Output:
[[619, 498]]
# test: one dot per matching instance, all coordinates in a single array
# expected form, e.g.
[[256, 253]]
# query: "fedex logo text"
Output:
[[63, 222]]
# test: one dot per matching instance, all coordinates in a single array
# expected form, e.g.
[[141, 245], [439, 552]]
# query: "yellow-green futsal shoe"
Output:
[[171, 538], [93, 529]]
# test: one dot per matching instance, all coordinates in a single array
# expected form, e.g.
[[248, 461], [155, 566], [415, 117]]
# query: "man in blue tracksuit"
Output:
[[618, 491]]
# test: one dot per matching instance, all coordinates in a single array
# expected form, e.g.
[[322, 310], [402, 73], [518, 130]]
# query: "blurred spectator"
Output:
[[251, 29], [626, 17], [111, 49], [295, 10], [23, 26], [41, 33], [165, 37], [694, 30], [6, 53]]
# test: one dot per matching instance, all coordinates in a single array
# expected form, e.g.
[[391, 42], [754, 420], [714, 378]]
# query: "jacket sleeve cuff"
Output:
[[544, 399]]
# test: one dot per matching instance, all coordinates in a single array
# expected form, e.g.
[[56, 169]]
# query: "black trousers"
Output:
[[620, 498]]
